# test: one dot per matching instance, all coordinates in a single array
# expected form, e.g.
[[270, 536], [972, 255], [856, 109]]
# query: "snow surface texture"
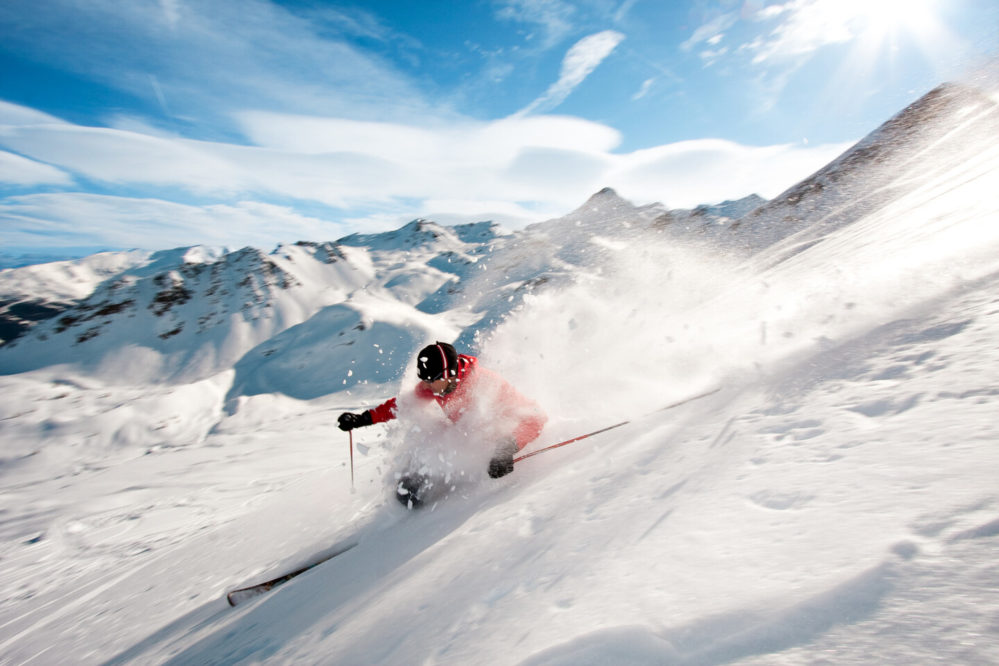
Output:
[[834, 502]]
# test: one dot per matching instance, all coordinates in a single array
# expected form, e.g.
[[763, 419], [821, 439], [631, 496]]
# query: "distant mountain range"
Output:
[[189, 313]]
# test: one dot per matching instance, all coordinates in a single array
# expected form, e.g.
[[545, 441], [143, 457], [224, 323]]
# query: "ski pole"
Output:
[[616, 425], [350, 435], [570, 441]]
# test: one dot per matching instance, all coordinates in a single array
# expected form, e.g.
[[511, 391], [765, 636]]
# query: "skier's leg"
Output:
[[410, 490]]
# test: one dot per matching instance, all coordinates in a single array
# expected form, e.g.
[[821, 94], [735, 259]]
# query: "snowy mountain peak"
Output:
[[604, 200], [605, 210], [605, 193], [930, 136], [479, 232], [202, 254], [198, 309], [731, 209], [179, 305], [326, 253], [418, 233]]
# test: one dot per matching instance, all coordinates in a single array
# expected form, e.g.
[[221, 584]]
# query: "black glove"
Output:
[[350, 421], [502, 462]]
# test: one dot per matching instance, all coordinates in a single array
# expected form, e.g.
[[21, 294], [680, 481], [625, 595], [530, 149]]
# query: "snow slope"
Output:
[[834, 502]]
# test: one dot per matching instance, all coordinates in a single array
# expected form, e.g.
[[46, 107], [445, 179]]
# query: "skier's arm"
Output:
[[383, 412], [529, 428], [524, 418], [380, 414]]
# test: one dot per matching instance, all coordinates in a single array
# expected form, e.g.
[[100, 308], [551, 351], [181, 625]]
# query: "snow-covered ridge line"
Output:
[[930, 136], [195, 311]]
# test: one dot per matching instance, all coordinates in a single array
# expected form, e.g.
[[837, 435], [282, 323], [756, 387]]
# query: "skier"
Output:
[[462, 387]]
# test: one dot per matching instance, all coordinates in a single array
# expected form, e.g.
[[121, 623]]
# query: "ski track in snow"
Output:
[[833, 502]]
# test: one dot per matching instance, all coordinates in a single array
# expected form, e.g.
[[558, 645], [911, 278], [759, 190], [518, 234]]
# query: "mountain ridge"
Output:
[[233, 301]]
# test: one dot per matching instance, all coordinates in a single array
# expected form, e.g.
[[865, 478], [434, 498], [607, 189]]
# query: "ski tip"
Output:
[[237, 597]]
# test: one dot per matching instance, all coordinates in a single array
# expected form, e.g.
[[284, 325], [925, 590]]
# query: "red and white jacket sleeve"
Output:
[[384, 412], [389, 409]]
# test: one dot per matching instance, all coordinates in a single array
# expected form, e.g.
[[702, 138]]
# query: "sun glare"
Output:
[[880, 20], [879, 39]]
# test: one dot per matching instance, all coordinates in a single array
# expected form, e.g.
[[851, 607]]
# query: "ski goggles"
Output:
[[431, 380]]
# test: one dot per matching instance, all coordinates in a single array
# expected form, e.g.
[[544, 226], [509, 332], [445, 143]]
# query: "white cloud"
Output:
[[466, 142], [22, 172], [339, 162], [515, 170], [710, 30], [507, 213], [689, 173], [553, 17], [579, 62], [772, 11], [643, 90], [352, 163], [711, 57], [807, 26], [117, 156], [14, 115], [211, 58], [73, 219]]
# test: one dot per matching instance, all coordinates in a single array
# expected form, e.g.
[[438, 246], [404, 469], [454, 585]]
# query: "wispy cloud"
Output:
[[515, 170], [59, 220], [552, 19], [123, 157], [643, 90], [22, 172], [15, 114], [710, 30], [579, 62], [336, 162], [689, 173], [210, 59], [792, 31], [806, 26]]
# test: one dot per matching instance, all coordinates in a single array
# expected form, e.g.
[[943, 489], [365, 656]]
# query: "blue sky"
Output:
[[161, 123]]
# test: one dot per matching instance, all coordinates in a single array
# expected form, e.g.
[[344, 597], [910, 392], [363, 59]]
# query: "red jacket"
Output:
[[514, 415]]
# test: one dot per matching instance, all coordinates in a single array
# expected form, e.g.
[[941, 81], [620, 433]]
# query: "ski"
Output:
[[238, 596]]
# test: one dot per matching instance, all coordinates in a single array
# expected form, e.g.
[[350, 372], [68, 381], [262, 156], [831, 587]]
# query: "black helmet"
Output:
[[437, 361]]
